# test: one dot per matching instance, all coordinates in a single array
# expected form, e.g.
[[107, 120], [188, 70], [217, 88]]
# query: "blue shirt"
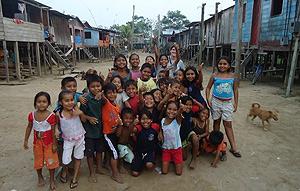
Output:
[[223, 88]]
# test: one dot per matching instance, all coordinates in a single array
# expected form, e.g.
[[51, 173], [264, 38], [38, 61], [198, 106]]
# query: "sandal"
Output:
[[223, 158], [235, 153], [73, 184], [63, 179]]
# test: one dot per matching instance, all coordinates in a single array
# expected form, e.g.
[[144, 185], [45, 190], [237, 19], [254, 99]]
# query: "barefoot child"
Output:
[[133, 98], [69, 119], [43, 123], [200, 125], [127, 116], [94, 140]]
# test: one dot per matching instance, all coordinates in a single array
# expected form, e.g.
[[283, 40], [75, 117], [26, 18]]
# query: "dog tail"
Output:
[[257, 104]]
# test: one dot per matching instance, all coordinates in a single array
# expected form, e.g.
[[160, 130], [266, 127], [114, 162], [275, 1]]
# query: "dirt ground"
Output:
[[270, 159]]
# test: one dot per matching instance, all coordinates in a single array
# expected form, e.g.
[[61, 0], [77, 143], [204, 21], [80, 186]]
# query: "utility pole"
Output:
[[215, 38], [132, 29], [202, 34], [158, 38], [238, 48]]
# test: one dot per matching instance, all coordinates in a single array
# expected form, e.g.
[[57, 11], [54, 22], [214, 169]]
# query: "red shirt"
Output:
[[134, 103], [110, 114]]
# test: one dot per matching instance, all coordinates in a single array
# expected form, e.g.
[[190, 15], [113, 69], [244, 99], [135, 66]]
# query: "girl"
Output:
[[44, 142], [150, 60], [120, 68], [69, 118], [121, 95], [193, 84], [179, 75], [171, 138], [200, 125], [146, 141], [134, 61], [225, 89], [175, 63], [157, 95], [146, 79]]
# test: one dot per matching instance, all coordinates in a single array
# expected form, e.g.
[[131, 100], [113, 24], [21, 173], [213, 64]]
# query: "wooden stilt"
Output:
[[29, 59], [17, 60], [38, 58], [44, 56], [5, 61]]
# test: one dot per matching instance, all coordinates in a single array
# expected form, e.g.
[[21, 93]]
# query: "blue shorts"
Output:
[[140, 159]]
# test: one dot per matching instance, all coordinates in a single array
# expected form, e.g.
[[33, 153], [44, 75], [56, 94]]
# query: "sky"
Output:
[[109, 12]]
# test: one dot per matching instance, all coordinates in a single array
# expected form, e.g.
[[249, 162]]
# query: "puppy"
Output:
[[264, 115]]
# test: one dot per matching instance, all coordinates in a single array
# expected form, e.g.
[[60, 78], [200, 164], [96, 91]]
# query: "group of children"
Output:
[[134, 115]]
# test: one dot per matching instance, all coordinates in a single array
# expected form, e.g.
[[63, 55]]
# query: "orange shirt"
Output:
[[110, 114]]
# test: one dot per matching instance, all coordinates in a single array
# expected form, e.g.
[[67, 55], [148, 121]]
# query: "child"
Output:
[[175, 63], [146, 141], [162, 74], [200, 125], [173, 93], [179, 75], [120, 68], [215, 142], [186, 133], [150, 60], [147, 101], [121, 95], [112, 126], [69, 118], [134, 61], [44, 141], [170, 126], [157, 94], [131, 91], [222, 108], [94, 141], [146, 78], [127, 116], [162, 84]]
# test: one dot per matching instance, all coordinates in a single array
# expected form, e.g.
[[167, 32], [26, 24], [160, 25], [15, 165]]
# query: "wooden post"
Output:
[[38, 58], [99, 52], [17, 60], [202, 33], [44, 56], [293, 67], [25, 12], [215, 38], [132, 29], [238, 49], [5, 60], [159, 31], [29, 59]]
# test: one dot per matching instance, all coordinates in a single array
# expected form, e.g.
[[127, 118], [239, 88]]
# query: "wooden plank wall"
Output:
[[26, 32], [61, 30], [1, 29], [94, 40]]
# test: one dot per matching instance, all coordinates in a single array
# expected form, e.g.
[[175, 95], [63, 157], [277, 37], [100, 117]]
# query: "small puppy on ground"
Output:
[[264, 115]]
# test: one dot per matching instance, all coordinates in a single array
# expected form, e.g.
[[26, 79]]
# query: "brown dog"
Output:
[[264, 115]]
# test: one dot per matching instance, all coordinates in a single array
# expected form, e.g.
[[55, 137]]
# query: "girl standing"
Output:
[[69, 117], [225, 89], [120, 68], [44, 143], [134, 61]]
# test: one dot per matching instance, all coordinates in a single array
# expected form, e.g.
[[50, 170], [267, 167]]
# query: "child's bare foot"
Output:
[[192, 164], [92, 178], [52, 185], [41, 182], [103, 171], [118, 178], [108, 167], [123, 170]]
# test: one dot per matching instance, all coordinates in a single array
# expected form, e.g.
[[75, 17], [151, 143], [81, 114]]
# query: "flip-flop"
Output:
[[235, 153], [63, 179], [223, 158], [73, 184]]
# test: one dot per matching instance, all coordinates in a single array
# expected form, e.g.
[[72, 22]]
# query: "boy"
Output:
[[215, 142], [127, 116], [93, 127], [112, 126], [130, 87]]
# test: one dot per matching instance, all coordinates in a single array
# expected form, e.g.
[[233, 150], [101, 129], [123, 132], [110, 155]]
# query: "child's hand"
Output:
[[234, 107], [76, 111], [200, 67], [54, 147], [176, 46], [26, 145], [110, 74], [160, 137], [101, 76], [154, 40], [136, 121], [82, 100], [143, 88], [92, 120], [182, 106], [209, 103], [119, 121], [57, 133], [213, 165], [99, 95], [170, 90], [168, 68]]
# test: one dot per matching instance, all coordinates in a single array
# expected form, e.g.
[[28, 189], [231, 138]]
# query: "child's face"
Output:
[[223, 66], [117, 82], [149, 60], [131, 90], [134, 61], [127, 119], [189, 105], [163, 61], [72, 86], [176, 88], [111, 95], [157, 96], [203, 115], [149, 101], [179, 76], [121, 63], [95, 88], [67, 102], [145, 121], [41, 103], [163, 86], [190, 75], [161, 75], [172, 110], [146, 73]]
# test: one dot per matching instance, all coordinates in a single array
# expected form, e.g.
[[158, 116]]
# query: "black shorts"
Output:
[[111, 145], [93, 145], [140, 159]]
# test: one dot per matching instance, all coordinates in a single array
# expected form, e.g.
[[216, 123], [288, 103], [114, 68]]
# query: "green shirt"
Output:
[[93, 108]]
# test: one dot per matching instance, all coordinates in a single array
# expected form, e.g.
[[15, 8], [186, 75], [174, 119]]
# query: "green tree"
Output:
[[174, 20], [142, 25], [125, 31]]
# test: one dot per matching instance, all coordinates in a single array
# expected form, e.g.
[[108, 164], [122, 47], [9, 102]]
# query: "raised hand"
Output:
[[101, 76], [200, 67], [110, 74], [170, 91], [99, 95], [143, 88], [136, 120], [154, 40]]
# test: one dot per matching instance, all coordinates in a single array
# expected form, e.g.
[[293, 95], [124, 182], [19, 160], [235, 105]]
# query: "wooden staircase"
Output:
[[92, 58]]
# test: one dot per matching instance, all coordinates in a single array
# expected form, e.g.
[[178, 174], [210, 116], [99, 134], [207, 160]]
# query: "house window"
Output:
[[88, 35], [244, 12], [276, 7]]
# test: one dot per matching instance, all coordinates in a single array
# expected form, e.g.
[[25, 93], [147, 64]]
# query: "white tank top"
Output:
[[72, 128]]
